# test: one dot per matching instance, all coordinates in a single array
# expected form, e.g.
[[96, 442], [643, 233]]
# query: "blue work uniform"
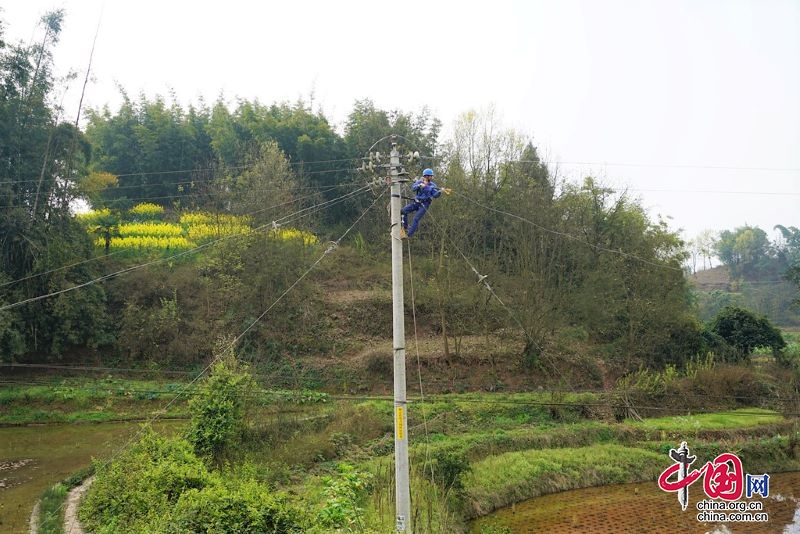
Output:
[[422, 201]]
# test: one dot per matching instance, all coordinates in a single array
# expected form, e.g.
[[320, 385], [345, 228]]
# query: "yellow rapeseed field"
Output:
[[191, 230]]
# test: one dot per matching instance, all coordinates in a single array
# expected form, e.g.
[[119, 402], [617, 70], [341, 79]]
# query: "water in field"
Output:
[[33, 458], [36, 457], [642, 509]]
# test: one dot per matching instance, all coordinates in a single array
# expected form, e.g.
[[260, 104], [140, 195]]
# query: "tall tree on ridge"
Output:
[[42, 163]]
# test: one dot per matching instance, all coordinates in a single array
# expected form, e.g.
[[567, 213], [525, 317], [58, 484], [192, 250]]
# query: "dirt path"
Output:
[[34, 522], [71, 523]]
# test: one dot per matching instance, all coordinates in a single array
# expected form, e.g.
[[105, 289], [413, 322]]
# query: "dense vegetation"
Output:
[[249, 229], [755, 273], [558, 255], [319, 464]]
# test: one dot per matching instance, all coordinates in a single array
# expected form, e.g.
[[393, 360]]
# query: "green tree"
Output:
[[743, 330], [314, 150], [528, 254], [266, 181], [758, 268], [43, 162], [627, 283], [792, 275], [106, 226], [789, 249], [745, 251], [159, 152], [367, 124]]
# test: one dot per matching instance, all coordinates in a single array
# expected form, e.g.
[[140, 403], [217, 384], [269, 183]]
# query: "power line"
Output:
[[569, 236], [663, 165], [199, 181], [328, 250], [97, 258], [317, 207], [202, 170], [709, 192], [183, 390], [125, 199], [108, 276], [482, 279], [140, 266], [489, 399]]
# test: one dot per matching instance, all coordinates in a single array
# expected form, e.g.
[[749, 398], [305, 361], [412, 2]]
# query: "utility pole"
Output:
[[402, 491], [396, 178]]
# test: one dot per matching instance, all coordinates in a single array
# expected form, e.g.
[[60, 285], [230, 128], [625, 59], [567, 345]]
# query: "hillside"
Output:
[[710, 279], [768, 295], [359, 315]]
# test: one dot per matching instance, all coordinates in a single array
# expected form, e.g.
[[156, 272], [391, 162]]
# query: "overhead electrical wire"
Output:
[[197, 181], [426, 462], [664, 165], [482, 279], [332, 246], [97, 258], [211, 169], [153, 262], [568, 236], [516, 399], [180, 195], [707, 191]]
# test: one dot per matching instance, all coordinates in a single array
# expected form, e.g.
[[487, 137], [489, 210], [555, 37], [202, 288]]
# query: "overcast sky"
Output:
[[693, 106]]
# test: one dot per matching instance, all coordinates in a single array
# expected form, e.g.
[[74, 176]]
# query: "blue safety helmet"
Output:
[[427, 172]]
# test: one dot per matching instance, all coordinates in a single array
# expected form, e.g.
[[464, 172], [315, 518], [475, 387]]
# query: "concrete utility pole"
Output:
[[402, 491]]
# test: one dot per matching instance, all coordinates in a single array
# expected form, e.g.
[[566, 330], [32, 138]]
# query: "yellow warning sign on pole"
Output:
[[398, 424]]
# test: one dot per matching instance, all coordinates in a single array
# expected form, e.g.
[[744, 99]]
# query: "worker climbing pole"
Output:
[[426, 190]]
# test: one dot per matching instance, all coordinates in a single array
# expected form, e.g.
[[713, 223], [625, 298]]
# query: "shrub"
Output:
[[345, 497], [728, 386], [248, 507], [219, 407], [160, 485], [449, 470], [142, 483]]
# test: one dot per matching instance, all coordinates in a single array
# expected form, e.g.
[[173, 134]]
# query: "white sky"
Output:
[[693, 105]]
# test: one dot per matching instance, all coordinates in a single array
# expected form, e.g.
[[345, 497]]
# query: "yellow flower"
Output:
[[285, 234], [147, 209], [150, 229], [91, 217]]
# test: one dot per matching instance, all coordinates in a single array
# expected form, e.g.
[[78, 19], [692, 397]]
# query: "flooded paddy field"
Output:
[[644, 509], [33, 458]]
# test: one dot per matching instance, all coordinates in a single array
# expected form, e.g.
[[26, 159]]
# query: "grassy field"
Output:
[[470, 453]]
